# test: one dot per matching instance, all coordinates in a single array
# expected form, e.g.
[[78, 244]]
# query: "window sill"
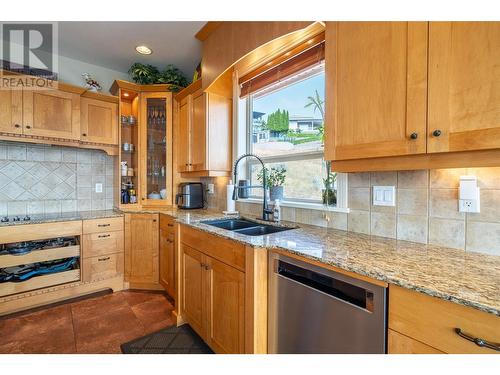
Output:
[[309, 206]]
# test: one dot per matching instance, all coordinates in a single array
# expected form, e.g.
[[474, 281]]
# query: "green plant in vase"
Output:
[[275, 179], [329, 193]]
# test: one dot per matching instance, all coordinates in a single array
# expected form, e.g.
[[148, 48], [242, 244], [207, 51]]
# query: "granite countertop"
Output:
[[466, 278], [66, 216]]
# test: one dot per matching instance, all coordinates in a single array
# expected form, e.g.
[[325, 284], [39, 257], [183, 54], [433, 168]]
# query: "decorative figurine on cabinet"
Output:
[[90, 83]]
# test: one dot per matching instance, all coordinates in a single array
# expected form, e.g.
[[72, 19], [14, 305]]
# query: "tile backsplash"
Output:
[[426, 209], [39, 179]]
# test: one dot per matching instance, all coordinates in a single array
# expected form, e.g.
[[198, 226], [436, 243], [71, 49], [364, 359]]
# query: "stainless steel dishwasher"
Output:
[[315, 310]]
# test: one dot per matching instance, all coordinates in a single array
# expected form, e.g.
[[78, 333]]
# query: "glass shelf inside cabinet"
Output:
[[129, 142], [156, 115]]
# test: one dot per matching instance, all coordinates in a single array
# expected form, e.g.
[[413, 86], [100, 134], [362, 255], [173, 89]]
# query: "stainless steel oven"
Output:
[[315, 310]]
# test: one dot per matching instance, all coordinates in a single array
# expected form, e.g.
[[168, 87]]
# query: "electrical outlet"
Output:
[[468, 205], [98, 188], [210, 188]]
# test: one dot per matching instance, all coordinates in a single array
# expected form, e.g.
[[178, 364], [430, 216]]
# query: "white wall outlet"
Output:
[[469, 197], [210, 188], [384, 195], [98, 188]]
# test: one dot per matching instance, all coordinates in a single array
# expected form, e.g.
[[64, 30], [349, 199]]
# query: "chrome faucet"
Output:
[[265, 210]]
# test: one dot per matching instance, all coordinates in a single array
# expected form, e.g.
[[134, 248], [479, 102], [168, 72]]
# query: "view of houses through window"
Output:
[[286, 130]]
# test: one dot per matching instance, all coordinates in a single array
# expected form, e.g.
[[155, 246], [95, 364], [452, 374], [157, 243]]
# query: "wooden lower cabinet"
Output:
[[225, 307], [167, 254], [193, 291], [431, 321], [213, 300], [401, 344], [141, 250]]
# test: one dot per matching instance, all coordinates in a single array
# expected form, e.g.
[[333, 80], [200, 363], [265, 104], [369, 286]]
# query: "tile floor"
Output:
[[94, 325]]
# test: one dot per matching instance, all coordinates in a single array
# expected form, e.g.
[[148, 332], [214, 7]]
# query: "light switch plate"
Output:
[[98, 188], [210, 188], [384, 195]]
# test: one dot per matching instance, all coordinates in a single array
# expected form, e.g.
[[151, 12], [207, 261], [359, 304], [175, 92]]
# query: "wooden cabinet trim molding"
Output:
[[483, 158]]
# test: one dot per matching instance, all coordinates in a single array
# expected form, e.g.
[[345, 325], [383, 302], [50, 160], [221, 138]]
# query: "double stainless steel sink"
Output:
[[247, 227]]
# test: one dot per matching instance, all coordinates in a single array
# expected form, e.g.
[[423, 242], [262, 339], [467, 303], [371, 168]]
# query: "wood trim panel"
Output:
[[485, 158], [191, 89], [432, 321], [256, 281], [207, 29], [30, 232], [100, 96], [227, 251]]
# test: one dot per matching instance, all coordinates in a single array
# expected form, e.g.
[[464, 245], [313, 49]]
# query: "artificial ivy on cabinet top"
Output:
[[146, 74]]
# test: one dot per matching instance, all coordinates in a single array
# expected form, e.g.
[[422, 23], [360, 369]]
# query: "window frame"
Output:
[[278, 158]]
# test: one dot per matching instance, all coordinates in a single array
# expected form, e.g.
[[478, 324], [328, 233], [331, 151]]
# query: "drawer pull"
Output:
[[103, 225], [104, 235], [478, 341], [103, 259], [170, 225], [170, 241]]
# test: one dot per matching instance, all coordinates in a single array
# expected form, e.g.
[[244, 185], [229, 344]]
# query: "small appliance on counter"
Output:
[[190, 195]]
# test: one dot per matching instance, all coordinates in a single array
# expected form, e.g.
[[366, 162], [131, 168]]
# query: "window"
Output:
[[285, 128]]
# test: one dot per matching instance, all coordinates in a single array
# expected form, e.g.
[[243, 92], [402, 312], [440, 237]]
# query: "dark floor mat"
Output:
[[171, 340]]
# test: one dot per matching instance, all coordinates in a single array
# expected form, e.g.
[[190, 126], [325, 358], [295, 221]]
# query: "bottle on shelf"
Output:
[[277, 211]]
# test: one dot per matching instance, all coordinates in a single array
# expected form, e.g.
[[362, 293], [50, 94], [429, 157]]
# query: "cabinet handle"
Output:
[[413, 135], [436, 133], [28, 127], [207, 267], [170, 241], [104, 235], [103, 259], [478, 341], [202, 265], [17, 125], [84, 134], [170, 225], [103, 225]]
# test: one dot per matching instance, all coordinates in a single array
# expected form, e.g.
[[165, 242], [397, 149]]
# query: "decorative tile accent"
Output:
[[37, 179]]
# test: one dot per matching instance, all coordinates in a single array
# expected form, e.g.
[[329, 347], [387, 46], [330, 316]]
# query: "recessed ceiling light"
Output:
[[125, 94], [144, 50]]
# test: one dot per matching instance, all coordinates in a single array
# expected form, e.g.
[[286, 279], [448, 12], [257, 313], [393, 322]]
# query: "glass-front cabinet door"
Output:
[[156, 148]]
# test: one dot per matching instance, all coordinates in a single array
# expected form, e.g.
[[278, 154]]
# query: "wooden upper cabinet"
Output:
[[199, 133], [464, 86], [141, 248], [183, 144], [376, 89], [204, 145], [51, 113], [99, 121], [225, 301], [11, 111]]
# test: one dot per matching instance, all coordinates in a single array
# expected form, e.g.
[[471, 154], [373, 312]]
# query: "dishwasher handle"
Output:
[[331, 286]]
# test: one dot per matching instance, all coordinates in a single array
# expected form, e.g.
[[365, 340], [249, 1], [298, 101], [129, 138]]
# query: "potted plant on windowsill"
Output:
[[329, 193], [275, 178]]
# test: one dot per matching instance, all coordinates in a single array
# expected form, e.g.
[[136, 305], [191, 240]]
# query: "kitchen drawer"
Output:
[[432, 321], [227, 251], [32, 232], [401, 344], [102, 267], [103, 225], [44, 255], [96, 244], [39, 282], [167, 223]]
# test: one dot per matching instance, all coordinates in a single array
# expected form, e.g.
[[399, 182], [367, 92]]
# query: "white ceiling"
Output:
[[112, 44]]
